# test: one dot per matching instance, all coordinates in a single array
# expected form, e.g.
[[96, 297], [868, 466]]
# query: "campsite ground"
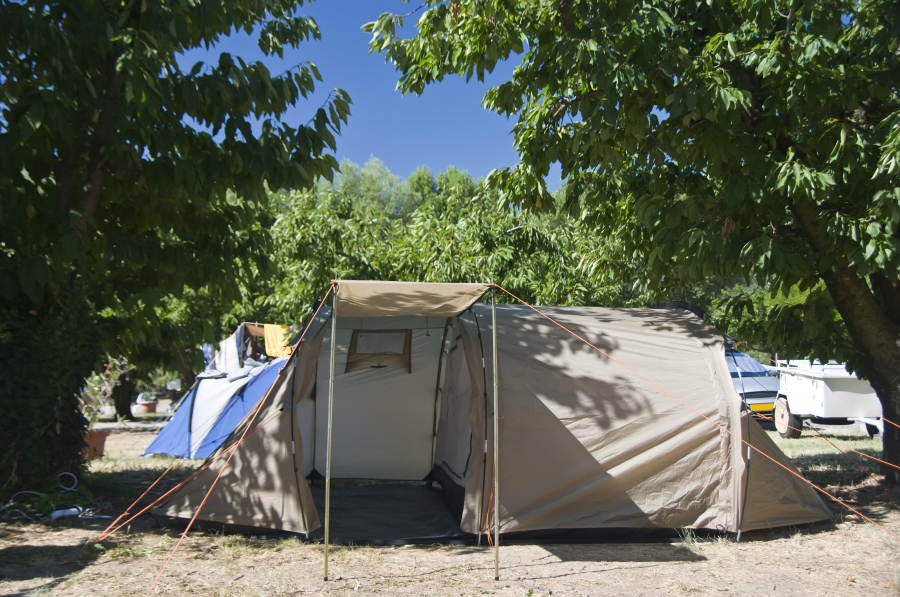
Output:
[[846, 556]]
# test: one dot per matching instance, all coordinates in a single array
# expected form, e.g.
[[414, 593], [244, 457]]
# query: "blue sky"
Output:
[[444, 126]]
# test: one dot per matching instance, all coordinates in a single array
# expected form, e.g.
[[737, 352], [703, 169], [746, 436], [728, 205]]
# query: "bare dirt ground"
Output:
[[846, 556]]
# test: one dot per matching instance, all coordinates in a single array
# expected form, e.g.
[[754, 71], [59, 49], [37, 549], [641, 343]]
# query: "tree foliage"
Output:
[[127, 180], [454, 234], [751, 141]]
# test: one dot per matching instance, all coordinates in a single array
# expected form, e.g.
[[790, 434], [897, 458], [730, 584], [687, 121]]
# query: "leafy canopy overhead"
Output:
[[139, 181], [133, 178], [743, 141], [693, 130], [127, 182]]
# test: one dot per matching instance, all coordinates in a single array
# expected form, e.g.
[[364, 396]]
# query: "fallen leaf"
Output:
[[853, 565], [851, 579], [888, 585]]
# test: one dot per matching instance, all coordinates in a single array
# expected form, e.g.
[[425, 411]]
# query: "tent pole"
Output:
[[496, 438], [330, 412]]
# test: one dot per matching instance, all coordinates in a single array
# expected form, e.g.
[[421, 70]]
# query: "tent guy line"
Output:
[[227, 450], [230, 456], [834, 444], [841, 502]]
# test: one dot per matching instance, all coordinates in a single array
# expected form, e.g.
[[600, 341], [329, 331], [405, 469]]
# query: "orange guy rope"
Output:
[[835, 445], [623, 365], [233, 452], [203, 467], [127, 511]]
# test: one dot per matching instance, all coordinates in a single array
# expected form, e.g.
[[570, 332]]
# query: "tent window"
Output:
[[389, 343], [378, 349]]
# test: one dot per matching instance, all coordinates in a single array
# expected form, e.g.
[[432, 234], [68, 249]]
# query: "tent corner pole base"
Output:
[[496, 437], [330, 418]]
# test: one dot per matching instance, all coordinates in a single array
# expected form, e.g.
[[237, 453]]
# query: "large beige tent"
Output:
[[584, 443]]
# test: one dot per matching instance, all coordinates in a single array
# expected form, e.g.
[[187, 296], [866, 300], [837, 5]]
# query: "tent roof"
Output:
[[356, 298]]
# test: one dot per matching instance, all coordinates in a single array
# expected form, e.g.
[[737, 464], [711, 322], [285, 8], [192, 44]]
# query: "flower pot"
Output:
[[144, 407], [96, 440]]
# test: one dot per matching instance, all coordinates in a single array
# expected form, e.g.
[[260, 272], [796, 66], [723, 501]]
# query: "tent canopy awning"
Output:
[[358, 298]]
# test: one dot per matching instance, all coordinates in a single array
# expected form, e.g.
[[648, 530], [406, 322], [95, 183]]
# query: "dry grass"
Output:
[[822, 464], [122, 475], [51, 559]]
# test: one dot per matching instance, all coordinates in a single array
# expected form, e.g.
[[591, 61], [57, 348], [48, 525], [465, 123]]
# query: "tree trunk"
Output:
[[123, 394], [889, 393], [187, 379], [874, 333]]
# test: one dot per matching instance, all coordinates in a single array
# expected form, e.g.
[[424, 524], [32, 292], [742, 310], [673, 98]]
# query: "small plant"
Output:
[[689, 539], [685, 588], [119, 551], [796, 539]]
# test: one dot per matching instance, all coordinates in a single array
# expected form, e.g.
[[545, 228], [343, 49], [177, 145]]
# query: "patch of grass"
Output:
[[123, 475], [234, 545], [684, 588], [120, 551], [42, 590], [689, 539], [823, 464], [290, 543]]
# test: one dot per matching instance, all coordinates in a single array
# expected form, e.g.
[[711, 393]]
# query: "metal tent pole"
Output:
[[496, 438], [330, 412]]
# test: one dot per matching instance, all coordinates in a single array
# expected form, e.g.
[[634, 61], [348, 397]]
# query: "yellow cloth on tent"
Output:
[[276, 343]]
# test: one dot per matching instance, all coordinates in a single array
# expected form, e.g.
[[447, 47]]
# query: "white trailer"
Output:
[[827, 394]]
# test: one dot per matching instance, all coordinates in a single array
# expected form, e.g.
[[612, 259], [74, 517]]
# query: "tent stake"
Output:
[[330, 412], [496, 439]]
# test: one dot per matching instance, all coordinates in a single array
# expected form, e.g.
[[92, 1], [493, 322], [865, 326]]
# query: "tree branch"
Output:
[[784, 46], [65, 175], [112, 95], [566, 104], [102, 131]]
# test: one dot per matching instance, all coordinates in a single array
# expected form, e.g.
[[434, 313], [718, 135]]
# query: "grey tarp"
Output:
[[584, 442]]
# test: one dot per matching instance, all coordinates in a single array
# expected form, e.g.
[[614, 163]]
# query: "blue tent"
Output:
[[243, 402], [211, 410]]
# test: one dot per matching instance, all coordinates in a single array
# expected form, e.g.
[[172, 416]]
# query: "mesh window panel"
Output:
[[377, 349]]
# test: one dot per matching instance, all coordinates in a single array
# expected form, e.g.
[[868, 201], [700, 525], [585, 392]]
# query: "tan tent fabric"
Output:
[[261, 486], [584, 443], [276, 340], [383, 417], [775, 497], [357, 298], [255, 330]]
